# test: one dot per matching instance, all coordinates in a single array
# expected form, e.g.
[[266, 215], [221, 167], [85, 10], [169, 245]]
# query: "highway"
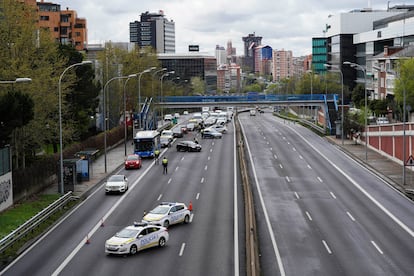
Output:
[[319, 212], [209, 245]]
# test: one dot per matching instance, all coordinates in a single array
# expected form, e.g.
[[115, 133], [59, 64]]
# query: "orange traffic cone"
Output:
[[190, 206]]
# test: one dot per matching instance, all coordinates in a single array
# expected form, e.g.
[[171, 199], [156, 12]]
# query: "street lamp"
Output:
[[353, 65], [161, 70], [60, 120], [139, 84], [104, 111], [311, 72], [17, 80], [161, 100], [125, 123], [342, 98]]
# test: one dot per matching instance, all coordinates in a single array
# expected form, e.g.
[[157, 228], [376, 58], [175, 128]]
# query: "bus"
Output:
[[146, 142]]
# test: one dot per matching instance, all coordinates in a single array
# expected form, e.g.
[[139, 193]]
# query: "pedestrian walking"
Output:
[[156, 156], [165, 165]]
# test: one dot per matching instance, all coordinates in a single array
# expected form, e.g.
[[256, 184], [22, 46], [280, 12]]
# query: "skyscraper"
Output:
[[153, 30], [250, 42]]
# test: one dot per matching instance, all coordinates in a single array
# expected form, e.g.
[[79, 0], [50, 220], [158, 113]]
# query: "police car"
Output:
[[135, 238], [168, 213]]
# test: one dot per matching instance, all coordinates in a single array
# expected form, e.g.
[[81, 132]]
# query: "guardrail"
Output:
[[34, 222]]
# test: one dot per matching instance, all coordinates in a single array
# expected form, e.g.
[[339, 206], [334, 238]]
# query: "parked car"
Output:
[[178, 132], [133, 161], [188, 146], [382, 121], [116, 183], [210, 133], [136, 237], [168, 213]]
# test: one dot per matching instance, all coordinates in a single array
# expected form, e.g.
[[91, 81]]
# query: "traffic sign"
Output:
[[410, 161]]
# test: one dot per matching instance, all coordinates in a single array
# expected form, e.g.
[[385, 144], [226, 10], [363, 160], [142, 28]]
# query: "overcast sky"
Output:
[[288, 25]]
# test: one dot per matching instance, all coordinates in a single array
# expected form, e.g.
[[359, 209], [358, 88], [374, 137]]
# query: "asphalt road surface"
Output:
[[318, 211]]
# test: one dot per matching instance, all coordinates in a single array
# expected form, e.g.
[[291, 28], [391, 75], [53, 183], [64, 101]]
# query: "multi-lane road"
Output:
[[318, 213]]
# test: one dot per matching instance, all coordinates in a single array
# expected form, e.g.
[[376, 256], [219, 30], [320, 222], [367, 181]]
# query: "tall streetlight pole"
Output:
[[156, 72], [139, 91], [342, 99], [355, 65], [311, 80], [62, 187], [104, 112], [125, 123], [161, 99]]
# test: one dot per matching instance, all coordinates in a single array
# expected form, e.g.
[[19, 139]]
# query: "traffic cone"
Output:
[[190, 206], [87, 240]]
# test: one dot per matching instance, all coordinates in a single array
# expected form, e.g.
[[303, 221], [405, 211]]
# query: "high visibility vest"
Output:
[[165, 161], [157, 152]]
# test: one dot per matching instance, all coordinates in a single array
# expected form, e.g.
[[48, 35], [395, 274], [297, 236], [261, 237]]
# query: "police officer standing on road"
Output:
[[156, 155], [165, 165]]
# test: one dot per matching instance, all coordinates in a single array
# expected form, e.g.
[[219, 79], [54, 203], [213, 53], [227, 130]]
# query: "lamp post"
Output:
[[311, 80], [62, 188], [125, 123], [355, 65], [161, 70], [17, 80], [139, 91], [342, 99], [161, 100], [104, 111]]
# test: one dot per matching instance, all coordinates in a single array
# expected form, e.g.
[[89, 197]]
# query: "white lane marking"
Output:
[[271, 149], [281, 166], [159, 197], [197, 196], [333, 195], [294, 149], [169, 181], [301, 157], [377, 247], [182, 158], [212, 143], [350, 216], [267, 143], [182, 249], [297, 195], [205, 168], [287, 178], [202, 180], [326, 246], [308, 215], [275, 156], [288, 143], [211, 150], [208, 158], [266, 215], [235, 208], [320, 179], [309, 167], [359, 187], [191, 217]]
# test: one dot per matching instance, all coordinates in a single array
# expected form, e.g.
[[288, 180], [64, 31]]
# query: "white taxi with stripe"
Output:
[[136, 237]]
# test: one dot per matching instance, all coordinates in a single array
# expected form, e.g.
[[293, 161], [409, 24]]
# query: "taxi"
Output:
[[168, 213], [135, 238]]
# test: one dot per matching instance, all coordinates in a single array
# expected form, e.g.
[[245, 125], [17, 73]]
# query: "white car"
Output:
[[210, 133], [116, 183], [219, 128], [135, 238], [168, 213], [167, 133]]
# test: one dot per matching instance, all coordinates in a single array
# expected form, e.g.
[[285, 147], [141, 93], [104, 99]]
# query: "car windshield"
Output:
[[116, 178], [132, 157], [160, 210], [127, 233]]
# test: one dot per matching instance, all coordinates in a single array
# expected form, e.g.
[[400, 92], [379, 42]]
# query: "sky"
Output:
[[288, 25]]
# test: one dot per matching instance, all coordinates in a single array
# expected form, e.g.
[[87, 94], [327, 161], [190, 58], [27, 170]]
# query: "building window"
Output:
[[44, 18]]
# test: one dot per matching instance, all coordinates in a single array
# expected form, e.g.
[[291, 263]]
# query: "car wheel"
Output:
[[161, 242], [133, 250], [186, 219], [166, 224]]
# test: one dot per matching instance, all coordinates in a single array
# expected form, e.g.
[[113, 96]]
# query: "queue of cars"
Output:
[[152, 231]]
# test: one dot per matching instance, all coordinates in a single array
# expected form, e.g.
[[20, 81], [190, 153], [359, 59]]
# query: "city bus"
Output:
[[146, 142]]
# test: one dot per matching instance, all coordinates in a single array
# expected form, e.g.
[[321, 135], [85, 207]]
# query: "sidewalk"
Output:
[[115, 157], [387, 169]]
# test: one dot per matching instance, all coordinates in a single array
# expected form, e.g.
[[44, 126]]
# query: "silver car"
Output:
[[117, 183]]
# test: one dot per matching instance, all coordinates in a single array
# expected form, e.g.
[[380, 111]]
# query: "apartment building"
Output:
[[64, 25], [282, 65]]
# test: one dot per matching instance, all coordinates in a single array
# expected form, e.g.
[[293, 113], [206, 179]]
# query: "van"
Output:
[[252, 112], [168, 117], [382, 121]]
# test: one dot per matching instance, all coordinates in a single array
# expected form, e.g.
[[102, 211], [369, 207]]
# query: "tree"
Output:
[[358, 95], [198, 86], [404, 84]]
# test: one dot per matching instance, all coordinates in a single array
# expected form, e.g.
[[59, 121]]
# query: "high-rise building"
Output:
[[221, 55], [250, 42], [64, 25], [153, 30], [282, 65], [263, 60]]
